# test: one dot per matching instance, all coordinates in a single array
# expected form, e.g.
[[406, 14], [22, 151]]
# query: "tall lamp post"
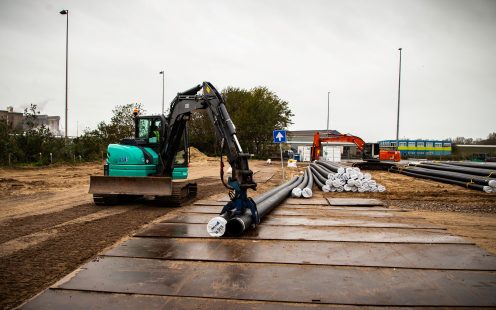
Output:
[[66, 12], [328, 93], [398, 116], [163, 89]]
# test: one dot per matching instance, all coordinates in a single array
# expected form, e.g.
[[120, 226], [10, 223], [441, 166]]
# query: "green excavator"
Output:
[[154, 164]]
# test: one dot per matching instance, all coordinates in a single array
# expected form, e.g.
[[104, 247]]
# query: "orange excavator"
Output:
[[371, 153]]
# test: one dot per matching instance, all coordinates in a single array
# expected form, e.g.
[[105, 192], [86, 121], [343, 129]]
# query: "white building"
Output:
[[301, 142]]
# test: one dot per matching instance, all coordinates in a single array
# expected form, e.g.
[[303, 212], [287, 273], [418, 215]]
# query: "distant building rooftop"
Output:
[[17, 120], [312, 132]]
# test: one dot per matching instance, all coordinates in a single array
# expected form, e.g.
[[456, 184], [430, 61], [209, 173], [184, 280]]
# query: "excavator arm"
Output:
[[183, 105]]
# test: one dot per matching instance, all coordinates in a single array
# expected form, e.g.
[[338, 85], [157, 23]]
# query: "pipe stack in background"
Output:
[[472, 164], [332, 177], [476, 176]]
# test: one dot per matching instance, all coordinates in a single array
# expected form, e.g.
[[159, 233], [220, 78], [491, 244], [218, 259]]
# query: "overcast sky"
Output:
[[299, 49]]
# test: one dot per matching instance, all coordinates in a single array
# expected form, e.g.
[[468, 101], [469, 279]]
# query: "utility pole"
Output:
[[66, 13], [163, 89], [398, 116], [328, 93]]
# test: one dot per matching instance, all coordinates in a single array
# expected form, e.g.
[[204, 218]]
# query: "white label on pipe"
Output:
[[216, 227]]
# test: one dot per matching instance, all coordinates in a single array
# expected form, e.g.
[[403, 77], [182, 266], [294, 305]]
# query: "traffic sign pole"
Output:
[[282, 162], [280, 137]]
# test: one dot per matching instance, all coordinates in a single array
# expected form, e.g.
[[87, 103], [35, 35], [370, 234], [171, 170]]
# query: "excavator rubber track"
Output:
[[181, 193]]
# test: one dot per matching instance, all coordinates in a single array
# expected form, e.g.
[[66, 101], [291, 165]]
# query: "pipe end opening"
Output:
[[296, 192], [307, 192], [235, 227]]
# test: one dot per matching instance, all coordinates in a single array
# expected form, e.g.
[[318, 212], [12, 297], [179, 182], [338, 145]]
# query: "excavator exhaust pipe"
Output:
[[149, 186]]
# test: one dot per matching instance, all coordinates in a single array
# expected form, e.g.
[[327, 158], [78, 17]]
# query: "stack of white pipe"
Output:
[[351, 179]]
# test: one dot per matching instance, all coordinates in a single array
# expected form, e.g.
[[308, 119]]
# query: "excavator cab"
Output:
[[150, 130]]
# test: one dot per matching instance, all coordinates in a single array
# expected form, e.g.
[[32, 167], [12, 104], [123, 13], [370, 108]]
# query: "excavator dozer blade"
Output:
[[146, 186]]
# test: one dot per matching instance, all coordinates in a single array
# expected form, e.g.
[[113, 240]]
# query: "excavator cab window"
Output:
[[144, 125], [149, 129]]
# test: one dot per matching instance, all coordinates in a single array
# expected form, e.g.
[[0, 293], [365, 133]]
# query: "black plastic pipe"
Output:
[[471, 164], [468, 170], [455, 176], [440, 179], [325, 169], [307, 191], [317, 178], [329, 166], [258, 199], [296, 192], [322, 171], [236, 226]]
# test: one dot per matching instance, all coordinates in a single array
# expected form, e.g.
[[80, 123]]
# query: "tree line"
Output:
[[491, 140], [255, 112]]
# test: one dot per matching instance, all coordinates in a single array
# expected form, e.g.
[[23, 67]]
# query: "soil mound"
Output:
[[196, 155]]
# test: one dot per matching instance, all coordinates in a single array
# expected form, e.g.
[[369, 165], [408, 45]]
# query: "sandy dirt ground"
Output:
[[49, 225]]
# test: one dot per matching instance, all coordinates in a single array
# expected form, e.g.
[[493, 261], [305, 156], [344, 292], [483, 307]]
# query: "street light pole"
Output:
[[163, 89], [328, 93], [398, 116], [66, 12]]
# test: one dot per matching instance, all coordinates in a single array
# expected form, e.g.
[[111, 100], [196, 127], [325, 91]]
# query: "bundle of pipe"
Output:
[[454, 168], [350, 179], [458, 176], [468, 181], [319, 179], [465, 176], [237, 225], [471, 164], [331, 166], [305, 187]]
